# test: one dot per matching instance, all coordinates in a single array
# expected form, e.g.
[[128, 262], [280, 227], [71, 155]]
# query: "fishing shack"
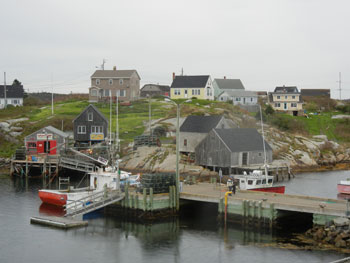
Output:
[[47, 140]]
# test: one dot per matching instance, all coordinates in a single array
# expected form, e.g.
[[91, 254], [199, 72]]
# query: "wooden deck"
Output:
[[58, 222]]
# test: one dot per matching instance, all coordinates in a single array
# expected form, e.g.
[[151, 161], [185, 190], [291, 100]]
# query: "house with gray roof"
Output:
[[286, 99], [14, 95], [232, 148], [155, 90], [124, 84], [195, 128], [239, 97], [186, 87], [224, 84]]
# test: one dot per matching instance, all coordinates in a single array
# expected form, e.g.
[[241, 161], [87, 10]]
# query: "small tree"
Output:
[[269, 110]]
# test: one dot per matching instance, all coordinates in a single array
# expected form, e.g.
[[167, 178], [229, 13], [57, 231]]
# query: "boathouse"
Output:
[[195, 128], [232, 148], [47, 140], [90, 126]]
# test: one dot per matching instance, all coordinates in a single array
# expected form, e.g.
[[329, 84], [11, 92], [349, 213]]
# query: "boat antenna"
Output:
[[263, 136]]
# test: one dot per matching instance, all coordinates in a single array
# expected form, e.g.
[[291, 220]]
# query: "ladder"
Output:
[[77, 165], [92, 202]]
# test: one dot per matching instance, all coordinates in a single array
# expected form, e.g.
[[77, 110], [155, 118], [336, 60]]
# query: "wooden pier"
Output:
[[58, 222], [263, 205]]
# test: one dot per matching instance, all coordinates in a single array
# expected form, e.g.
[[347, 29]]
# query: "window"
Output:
[[196, 92], [96, 129], [258, 182], [93, 92], [121, 82], [260, 154], [122, 93], [90, 116], [97, 81], [81, 129], [106, 92], [250, 182], [286, 97], [209, 92], [110, 81], [278, 97], [277, 105], [269, 181], [293, 97], [264, 181], [177, 92], [185, 142], [251, 99], [15, 102], [238, 99], [31, 145], [293, 105]]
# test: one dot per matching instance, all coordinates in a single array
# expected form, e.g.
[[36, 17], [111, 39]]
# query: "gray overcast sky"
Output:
[[265, 43]]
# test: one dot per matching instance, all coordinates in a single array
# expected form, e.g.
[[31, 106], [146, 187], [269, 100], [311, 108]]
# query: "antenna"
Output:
[[339, 81], [103, 64], [182, 71]]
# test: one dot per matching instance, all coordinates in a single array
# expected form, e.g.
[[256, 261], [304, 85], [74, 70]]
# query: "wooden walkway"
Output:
[[205, 192]]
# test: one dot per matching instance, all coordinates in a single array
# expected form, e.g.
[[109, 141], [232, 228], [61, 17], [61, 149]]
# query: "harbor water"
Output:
[[195, 236]]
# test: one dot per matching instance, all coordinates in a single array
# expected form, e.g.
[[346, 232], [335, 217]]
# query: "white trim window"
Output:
[[81, 130], [122, 93], [293, 105], [94, 92], [106, 92], [98, 81], [177, 92], [90, 116], [96, 129], [277, 105], [278, 97], [121, 82], [110, 81]]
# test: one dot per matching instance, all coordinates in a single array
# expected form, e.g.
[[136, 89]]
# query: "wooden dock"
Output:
[[268, 205], [58, 222]]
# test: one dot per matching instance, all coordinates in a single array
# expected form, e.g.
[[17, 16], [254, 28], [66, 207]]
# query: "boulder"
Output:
[[17, 120], [4, 126], [15, 134], [16, 129], [320, 137], [341, 221]]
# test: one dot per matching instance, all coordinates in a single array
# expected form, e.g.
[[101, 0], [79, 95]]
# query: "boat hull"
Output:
[[343, 189], [48, 197], [274, 189]]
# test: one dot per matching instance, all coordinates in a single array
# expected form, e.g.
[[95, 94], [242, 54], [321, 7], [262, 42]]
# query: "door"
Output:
[[285, 106], [40, 146], [186, 95], [244, 158], [53, 149]]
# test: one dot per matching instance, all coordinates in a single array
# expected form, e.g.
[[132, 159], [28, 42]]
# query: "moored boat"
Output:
[[344, 186]]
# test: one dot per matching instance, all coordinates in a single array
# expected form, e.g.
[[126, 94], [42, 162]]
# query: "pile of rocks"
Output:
[[336, 232], [4, 162]]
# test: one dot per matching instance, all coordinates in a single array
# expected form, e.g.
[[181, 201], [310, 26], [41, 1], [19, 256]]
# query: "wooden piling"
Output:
[[144, 199], [151, 198]]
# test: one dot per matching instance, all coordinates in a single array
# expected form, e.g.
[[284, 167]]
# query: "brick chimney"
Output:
[[173, 75], [114, 67], [224, 77]]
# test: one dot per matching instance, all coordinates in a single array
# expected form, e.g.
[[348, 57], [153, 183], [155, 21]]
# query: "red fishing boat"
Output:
[[344, 186]]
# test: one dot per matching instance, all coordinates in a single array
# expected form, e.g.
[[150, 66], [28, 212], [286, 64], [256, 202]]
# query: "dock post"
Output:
[[126, 195], [151, 198], [170, 197], [11, 168], [144, 199], [259, 210], [26, 168], [136, 201], [272, 213], [254, 210], [221, 205], [174, 197]]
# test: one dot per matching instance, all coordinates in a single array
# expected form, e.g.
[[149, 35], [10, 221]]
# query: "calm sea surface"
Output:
[[193, 237]]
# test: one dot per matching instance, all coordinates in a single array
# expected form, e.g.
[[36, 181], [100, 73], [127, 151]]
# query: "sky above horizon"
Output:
[[57, 45]]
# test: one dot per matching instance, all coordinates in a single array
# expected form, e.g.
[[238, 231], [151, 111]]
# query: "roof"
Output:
[[229, 84], [316, 92], [53, 130], [200, 124], [153, 87], [242, 139], [239, 93], [190, 81], [92, 106], [114, 74], [284, 89], [12, 91]]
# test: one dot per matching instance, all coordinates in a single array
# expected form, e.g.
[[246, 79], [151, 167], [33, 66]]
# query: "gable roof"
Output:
[[284, 89], [234, 84], [12, 91], [154, 87], [242, 139], [190, 81], [200, 124], [91, 106], [114, 74], [239, 93], [53, 130]]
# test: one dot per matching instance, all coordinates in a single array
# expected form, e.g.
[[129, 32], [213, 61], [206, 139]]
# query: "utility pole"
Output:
[[5, 102], [51, 94], [339, 85], [149, 114]]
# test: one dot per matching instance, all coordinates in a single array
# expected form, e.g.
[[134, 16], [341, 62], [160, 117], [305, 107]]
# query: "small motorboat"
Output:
[[344, 186], [256, 181], [99, 181]]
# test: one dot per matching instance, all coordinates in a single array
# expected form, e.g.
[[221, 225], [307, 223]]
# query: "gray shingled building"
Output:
[[196, 128], [232, 148]]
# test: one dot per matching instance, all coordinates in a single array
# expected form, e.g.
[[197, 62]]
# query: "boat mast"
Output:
[[262, 131]]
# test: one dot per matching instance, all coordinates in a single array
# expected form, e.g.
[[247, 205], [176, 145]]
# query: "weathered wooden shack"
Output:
[[195, 128], [232, 148], [47, 140], [91, 126]]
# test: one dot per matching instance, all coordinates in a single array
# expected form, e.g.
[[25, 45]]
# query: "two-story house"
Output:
[[122, 83], [286, 99], [186, 87]]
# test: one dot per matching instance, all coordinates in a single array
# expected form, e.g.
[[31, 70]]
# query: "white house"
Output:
[[239, 97], [14, 95]]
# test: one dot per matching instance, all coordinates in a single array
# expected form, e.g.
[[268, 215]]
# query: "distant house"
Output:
[[90, 126], [122, 83], [155, 90], [224, 84], [195, 128], [47, 140], [14, 95], [286, 99], [239, 97], [323, 93], [186, 87], [231, 148]]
